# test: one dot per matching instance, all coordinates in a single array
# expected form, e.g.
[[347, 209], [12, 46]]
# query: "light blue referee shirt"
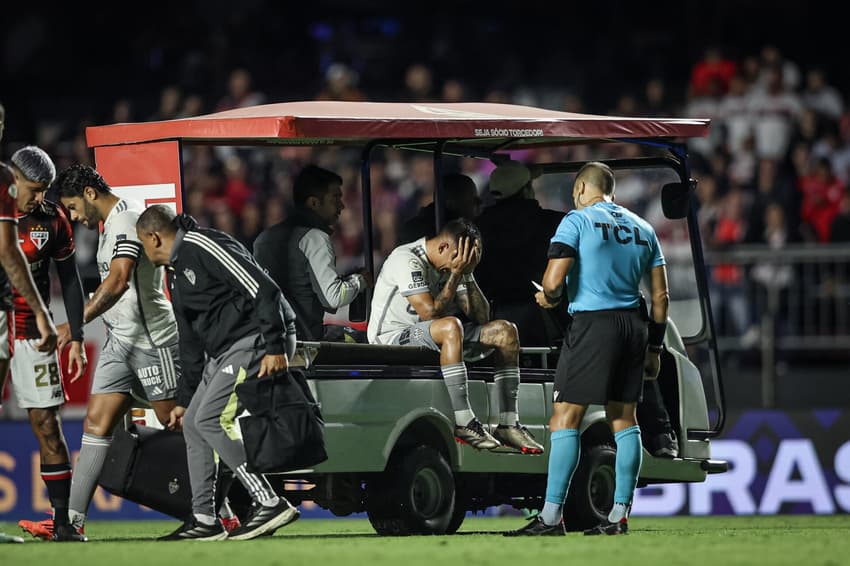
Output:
[[614, 249]]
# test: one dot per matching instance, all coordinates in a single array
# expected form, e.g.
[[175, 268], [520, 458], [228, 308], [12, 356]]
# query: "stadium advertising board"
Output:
[[22, 492], [780, 462]]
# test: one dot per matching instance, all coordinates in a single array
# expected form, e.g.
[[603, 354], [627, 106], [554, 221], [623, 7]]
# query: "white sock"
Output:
[[77, 519], [270, 502], [551, 514], [619, 512], [205, 519], [509, 418], [463, 418], [507, 383]]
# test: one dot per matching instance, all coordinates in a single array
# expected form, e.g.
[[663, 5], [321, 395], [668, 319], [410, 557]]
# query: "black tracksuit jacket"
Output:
[[220, 295]]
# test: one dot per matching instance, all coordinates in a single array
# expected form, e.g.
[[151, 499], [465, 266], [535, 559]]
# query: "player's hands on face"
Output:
[[175, 418], [47, 331], [273, 363], [77, 359], [460, 262], [651, 366], [63, 332], [456, 261]]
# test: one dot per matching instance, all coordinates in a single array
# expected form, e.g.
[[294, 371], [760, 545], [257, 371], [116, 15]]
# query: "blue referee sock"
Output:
[[563, 459], [629, 458]]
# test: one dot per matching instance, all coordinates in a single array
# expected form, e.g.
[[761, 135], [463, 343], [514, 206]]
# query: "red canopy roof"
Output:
[[309, 123]]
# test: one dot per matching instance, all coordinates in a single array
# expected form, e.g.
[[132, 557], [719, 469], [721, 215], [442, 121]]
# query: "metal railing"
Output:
[[781, 300]]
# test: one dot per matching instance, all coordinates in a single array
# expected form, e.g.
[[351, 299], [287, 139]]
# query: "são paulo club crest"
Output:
[[39, 236]]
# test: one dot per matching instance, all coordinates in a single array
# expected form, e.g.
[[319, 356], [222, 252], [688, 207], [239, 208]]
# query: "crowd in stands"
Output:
[[774, 169]]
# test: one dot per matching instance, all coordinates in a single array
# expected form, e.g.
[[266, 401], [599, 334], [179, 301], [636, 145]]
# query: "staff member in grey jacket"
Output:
[[299, 255], [229, 312]]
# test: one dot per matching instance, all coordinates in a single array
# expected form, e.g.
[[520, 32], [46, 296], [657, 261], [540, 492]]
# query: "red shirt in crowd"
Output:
[[728, 231], [821, 202], [704, 72]]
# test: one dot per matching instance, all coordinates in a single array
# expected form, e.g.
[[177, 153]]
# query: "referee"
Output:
[[602, 251], [231, 321]]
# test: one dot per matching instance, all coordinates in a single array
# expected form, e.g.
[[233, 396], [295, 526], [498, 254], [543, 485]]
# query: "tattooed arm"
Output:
[[429, 307], [473, 302], [110, 289], [461, 267], [469, 296]]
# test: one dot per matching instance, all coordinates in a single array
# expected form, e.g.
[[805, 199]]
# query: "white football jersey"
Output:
[[405, 272], [143, 313]]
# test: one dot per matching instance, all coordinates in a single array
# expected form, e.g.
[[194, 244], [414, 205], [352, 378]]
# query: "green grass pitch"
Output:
[[725, 541]]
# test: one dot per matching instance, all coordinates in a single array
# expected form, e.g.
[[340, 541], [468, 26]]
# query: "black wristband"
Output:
[[655, 349], [656, 333]]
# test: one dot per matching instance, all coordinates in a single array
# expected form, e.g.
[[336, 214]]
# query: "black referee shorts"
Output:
[[602, 358]]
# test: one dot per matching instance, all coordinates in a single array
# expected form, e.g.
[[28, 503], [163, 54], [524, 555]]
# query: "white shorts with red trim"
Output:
[[36, 376]]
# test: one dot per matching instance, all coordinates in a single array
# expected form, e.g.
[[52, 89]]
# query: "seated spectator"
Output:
[[840, 228], [776, 111], [726, 280], [341, 84], [240, 91], [169, 104], [772, 57], [734, 120], [822, 192], [772, 278], [821, 96], [426, 295], [516, 232], [418, 83], [713, 66], [299, 256], [462, 201]]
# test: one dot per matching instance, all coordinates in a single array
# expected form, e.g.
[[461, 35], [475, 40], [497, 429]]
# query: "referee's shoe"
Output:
[[621, 527], [617, 522], [264, 519], [536, 527]]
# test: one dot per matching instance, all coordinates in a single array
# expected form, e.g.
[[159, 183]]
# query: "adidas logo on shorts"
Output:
[[228, 370]]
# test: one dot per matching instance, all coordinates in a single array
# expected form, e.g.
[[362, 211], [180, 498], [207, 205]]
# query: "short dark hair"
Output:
[[598, 174], [157, 218], [313, 181], [72, 181], [460, 228]]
